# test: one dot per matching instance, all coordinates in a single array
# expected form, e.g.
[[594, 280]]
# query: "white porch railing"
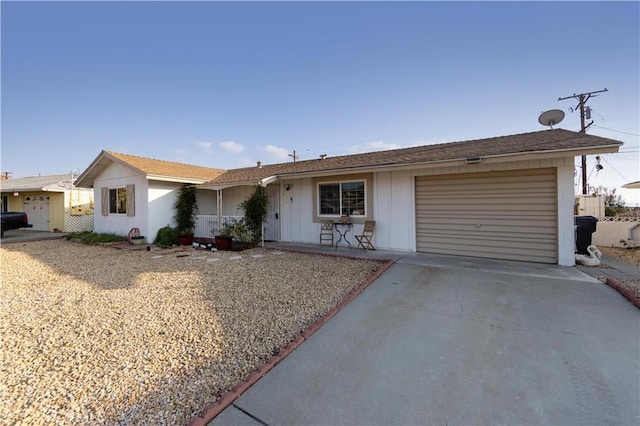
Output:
[[207, 224]]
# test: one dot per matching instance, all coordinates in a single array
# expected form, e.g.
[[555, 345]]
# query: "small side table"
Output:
[[342, 228]]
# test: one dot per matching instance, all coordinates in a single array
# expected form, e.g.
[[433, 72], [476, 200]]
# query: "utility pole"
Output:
[[582, 100], [294, 156]]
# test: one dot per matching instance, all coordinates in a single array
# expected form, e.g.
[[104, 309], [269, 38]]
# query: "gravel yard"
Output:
[[91, 334], [631, 256]]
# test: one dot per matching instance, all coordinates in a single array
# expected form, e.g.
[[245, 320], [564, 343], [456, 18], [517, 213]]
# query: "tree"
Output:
[[613, 204], [255, 211], [186, 209]]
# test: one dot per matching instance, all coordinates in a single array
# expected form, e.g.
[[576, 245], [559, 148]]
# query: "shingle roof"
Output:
[[555, 140], [542, 141], [53, 183], [152, 167]]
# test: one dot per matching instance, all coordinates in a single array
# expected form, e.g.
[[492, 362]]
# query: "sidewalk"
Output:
[[613, 268]]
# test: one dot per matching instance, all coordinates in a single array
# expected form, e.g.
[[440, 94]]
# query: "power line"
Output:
[[615, 170], [617, 131], [582, 101]]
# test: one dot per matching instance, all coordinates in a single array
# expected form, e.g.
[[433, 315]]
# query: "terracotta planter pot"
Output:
[[223, 242], [185, 240]]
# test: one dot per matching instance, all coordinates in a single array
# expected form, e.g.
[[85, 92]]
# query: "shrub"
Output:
[[255, 211], [186, 209], [238, 230], [94, 238], [166, 237]]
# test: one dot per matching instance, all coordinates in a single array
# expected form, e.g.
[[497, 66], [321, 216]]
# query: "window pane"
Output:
[[113, 205], [329, 198], [118, 200], [122, 200], [353, 198]]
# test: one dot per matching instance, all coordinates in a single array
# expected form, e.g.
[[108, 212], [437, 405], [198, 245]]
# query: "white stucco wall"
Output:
[[162, 196], [296, 212], [120, 176], [394, 205], [609, 234], [394, 211], [566, 228]]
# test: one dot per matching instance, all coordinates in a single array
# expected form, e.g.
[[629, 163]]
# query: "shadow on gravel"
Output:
[[134, 337]]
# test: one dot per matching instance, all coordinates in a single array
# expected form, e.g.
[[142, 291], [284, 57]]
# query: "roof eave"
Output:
[[456, 161], [176, 179]]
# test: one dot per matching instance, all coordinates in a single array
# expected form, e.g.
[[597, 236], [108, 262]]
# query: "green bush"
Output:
[[255, 211], [238, 230], [94, 238], [166, 237]]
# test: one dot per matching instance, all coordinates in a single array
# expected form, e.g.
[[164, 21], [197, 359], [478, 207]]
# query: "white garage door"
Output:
[[500, 215], [37, 209]]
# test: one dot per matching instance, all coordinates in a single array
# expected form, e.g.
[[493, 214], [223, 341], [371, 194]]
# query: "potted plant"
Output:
[[186, 208], [225, 237]]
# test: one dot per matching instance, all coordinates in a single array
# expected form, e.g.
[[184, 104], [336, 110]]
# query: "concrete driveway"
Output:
[[23, 235], [461, 341]]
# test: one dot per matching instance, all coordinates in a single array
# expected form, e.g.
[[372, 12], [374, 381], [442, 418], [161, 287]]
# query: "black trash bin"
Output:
[[585, 227]]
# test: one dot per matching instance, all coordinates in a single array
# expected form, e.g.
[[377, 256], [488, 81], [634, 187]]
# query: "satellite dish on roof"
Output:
[[551, 117]]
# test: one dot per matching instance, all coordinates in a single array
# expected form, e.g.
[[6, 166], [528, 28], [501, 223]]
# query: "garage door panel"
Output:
[[524, 220], [490, 232], [510, 255], [504, 215], [487, 239], [490, 185]]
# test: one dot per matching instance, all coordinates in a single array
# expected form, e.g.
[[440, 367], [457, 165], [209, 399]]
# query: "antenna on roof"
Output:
[[551, 117], [294, 156]]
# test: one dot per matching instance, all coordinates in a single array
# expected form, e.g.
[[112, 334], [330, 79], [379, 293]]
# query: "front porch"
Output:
[[209, 225]]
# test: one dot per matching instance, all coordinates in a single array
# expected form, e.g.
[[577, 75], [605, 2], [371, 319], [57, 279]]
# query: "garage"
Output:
[[37, 209], [509, 215]]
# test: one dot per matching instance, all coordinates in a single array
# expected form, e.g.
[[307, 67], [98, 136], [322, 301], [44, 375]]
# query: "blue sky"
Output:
[[224, 84]]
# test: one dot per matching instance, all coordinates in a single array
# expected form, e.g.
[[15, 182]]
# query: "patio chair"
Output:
[[365, 239], [326, 231]]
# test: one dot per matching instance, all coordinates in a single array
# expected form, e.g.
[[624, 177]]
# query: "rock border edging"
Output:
[[214, 409]]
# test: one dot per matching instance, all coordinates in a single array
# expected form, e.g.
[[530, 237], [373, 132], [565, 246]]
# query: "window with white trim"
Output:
[[336, 198], [117, 200]]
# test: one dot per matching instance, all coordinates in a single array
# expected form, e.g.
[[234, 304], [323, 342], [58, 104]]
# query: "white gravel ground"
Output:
[[95, 335]]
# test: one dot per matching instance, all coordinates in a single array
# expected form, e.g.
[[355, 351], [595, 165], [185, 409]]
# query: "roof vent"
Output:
[[259, 164], [323, 156]]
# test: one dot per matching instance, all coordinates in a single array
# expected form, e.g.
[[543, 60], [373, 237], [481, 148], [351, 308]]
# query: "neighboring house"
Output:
[[51, 202], [137, 192], [507, 197], [632, 185]]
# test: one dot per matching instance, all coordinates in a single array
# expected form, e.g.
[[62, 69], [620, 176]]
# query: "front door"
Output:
[[272, 222]]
